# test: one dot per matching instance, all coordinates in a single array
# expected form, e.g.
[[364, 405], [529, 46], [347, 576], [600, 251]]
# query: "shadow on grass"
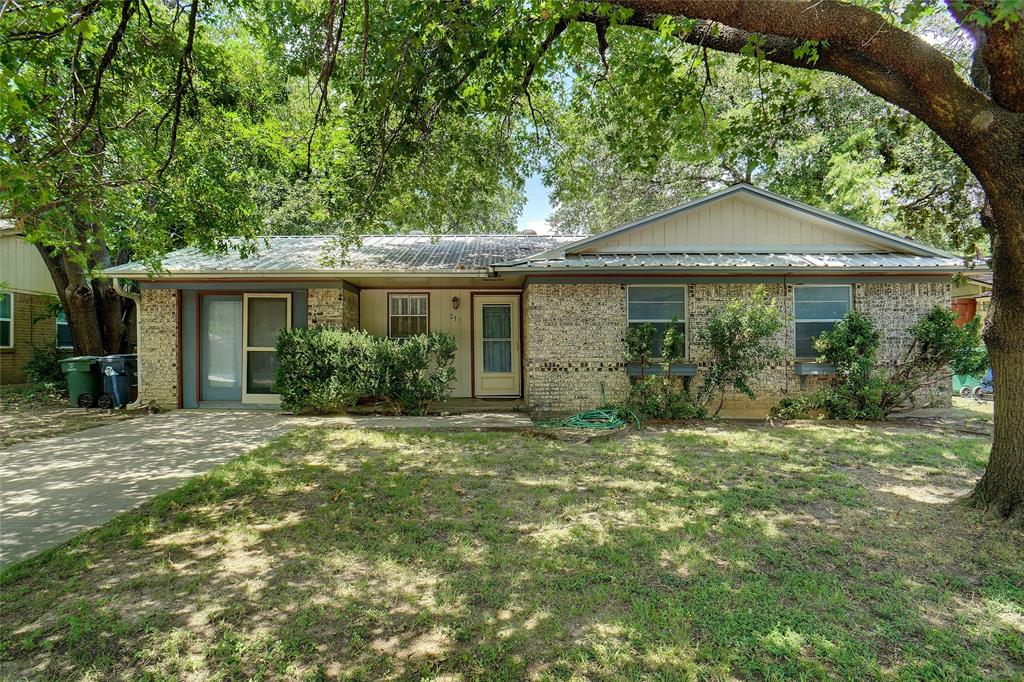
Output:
[[716, 552]]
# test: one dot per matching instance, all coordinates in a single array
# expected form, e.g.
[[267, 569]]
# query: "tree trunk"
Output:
[[96, 314], [1001, 489]]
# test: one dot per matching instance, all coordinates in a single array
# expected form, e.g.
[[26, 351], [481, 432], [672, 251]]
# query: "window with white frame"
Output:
[[63, 331], [659, 305], [407, 315], [816, 309], [6, 319]]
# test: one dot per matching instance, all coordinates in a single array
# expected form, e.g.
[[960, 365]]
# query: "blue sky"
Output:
[[538, 206]]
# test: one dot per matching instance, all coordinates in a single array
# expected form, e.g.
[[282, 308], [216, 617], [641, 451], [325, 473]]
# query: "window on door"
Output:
[[816, 309], [658, 305], [63, 331], [6, 320], [265, 316], [407, 315], [497, 337]]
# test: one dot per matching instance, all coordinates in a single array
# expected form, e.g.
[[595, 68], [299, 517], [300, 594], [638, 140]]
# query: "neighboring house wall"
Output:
[[30, 333], [23, 274], [159, 354], [22, 268], [575, 337]]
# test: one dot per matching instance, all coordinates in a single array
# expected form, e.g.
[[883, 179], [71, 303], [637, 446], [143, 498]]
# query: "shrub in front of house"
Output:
[[44, 368], [323, 370], [738, 338], [661, 397], [861, 389]]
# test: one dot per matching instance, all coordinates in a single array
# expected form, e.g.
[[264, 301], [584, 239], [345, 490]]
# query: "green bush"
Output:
[[320, 370], [44, 367], [662, 397], [328, 370], [860, 389], [738, 337], [658, 397]]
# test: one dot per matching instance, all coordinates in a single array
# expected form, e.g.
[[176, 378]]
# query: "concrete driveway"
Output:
[[52, 489]]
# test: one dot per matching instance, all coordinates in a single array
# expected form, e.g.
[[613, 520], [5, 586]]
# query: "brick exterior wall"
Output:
[[337, 308], [897, 307], [574, 335], [350, 313], [28, 335], [158, 348]]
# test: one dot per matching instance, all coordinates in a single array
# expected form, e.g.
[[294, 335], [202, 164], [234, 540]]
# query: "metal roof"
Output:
[[322, 254], [743, 261]]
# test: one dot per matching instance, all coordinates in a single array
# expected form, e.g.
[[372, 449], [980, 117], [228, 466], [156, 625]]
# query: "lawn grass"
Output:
[[727, 551], [34, 411]]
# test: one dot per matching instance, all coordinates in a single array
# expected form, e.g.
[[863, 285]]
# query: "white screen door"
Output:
[[264, 315], [496, 345]]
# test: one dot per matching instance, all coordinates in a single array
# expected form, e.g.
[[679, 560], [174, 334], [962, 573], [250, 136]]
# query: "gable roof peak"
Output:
[[894, 241]]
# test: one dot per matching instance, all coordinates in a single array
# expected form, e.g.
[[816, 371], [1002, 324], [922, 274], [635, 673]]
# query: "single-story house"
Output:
[[30, 319], [540, 318]]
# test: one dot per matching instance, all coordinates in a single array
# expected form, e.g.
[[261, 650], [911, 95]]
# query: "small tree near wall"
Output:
[[739, 338]]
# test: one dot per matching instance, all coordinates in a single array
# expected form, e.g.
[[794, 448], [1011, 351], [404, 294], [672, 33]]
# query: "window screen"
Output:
[[407, 315], [816, 310], [6, 320], [657, 305]]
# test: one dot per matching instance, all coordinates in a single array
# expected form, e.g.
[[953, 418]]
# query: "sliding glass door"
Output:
[[220, 347]]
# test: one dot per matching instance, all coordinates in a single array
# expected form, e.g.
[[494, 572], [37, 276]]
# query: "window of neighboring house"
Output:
[[63, 331], [407, 315], [6, 320], [657, 305], [817, 308]]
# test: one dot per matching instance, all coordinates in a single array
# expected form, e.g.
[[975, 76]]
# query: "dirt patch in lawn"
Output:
[[30, 413]]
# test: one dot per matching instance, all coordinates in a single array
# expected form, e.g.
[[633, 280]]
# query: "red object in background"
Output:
[[965, 309]]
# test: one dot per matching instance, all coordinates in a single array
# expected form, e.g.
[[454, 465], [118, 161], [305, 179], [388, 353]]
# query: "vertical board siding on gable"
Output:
[[734, 221]]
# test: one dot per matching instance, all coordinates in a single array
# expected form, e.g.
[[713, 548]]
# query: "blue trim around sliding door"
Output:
[[189, 338]]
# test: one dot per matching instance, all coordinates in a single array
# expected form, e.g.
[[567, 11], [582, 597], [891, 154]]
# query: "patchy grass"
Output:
[[32, 412], [808, 551]]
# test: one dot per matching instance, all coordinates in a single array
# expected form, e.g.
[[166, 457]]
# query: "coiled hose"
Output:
[[605, 418]]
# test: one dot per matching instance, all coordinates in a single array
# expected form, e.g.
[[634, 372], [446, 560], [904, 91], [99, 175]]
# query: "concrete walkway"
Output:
[[52, 489]]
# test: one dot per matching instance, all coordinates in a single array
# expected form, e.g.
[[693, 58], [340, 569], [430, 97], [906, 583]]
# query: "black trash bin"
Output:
[[119, 372]]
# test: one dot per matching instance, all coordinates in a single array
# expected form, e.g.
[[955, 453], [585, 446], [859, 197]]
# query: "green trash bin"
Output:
[[84, 383]]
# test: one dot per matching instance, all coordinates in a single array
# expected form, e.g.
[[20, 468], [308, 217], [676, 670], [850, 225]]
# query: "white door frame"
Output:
[[259, 398], [513, 378]]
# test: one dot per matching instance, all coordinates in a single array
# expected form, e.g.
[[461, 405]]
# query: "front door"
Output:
[[496, 345], [263, 316], [220, 347]]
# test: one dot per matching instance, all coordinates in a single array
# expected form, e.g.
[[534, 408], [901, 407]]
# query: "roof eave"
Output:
[[289, 274], [777, 270]]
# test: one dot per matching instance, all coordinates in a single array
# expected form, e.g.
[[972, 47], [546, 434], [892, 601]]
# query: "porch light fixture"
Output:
[[455, 302]]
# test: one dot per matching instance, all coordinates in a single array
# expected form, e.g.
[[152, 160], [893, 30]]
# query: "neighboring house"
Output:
[[538, 317], [972, 296], [27, 299]]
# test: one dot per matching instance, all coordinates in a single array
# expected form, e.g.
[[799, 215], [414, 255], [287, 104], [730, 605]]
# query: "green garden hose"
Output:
[[609, 418]]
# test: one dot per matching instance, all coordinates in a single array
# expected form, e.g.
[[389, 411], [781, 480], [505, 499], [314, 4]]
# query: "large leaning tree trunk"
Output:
[[98, 316], [981, 120]]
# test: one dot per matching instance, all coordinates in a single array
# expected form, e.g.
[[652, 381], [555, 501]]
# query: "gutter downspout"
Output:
[[137, 403]]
